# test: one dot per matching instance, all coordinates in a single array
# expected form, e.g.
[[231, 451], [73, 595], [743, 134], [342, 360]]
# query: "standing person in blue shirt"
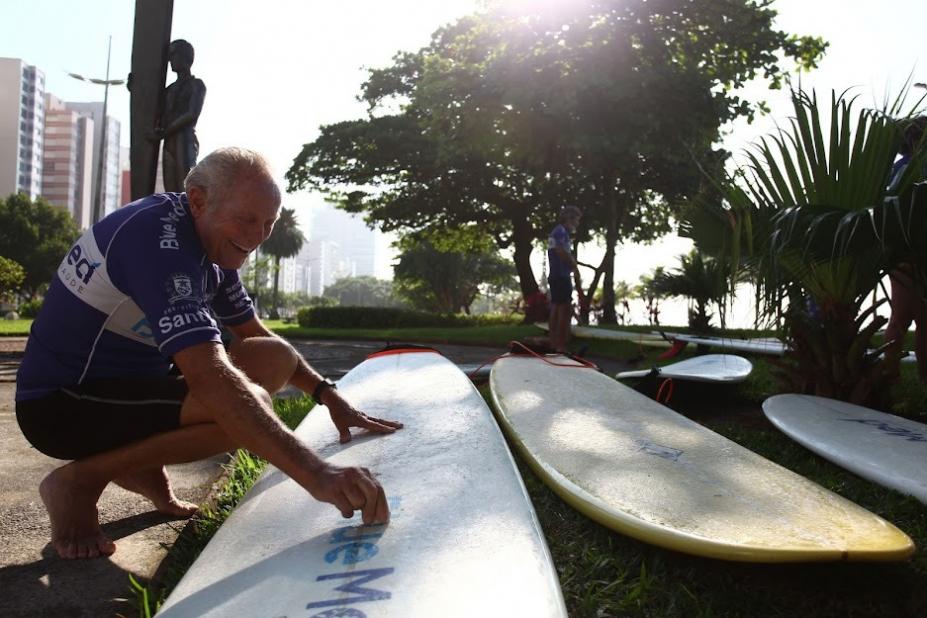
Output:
[[148, 287], [562, 265]]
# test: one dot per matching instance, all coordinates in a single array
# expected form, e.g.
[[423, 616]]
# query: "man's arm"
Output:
[[244, 411], [564, 254], [306, 379]]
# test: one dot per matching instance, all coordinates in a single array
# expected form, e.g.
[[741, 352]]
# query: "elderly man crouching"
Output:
[[144, 288]]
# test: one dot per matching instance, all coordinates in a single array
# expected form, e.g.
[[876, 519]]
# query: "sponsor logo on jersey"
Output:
[[77, 269], [167, 239], [179, 287], [181, 320]]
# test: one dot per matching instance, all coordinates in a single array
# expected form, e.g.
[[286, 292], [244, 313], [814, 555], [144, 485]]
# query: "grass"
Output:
[[15, 328]]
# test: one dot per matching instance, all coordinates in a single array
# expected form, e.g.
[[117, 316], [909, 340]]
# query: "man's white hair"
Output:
[[217, 172]]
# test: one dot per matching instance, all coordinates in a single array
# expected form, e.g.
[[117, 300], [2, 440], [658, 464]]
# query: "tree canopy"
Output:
[[37, 235], [502, 119], [362, 291], [443, 271], [11, 277]]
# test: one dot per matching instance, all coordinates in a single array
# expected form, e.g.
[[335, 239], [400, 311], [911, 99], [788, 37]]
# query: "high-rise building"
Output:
[[296, 272], [68, 160], [111, 170], [22, 120], [326, 265], [125, 171], [356, 242]]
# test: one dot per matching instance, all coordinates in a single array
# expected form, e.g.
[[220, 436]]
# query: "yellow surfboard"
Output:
[[641, 469]]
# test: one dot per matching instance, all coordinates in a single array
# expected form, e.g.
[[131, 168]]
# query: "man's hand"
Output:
[[345, 416], [352, 489]]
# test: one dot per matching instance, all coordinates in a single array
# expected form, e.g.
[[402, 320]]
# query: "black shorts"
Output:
[[561, 289], [101, 415]]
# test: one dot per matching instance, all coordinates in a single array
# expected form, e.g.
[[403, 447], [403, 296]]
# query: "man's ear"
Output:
[[196, 196]]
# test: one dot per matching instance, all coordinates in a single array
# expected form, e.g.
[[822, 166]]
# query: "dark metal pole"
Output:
[[101, 169], [150, 41]]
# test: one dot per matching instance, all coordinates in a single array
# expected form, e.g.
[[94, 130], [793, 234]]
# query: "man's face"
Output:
[[233, 226]]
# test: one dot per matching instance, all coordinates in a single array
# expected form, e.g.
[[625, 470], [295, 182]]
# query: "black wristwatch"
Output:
[[320, 388]]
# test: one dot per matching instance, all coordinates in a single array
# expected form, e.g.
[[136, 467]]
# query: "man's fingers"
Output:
[[369, 487], [388, 423], [381, 515], [375, 424], [355, 496], [376, 511], [344, 434]]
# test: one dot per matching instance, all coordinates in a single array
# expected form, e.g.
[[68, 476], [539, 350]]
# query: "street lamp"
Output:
[[921, 85], [106, 83]]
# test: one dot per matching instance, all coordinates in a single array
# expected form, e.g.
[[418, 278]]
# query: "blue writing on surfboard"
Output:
[[901, 432], [354, 587], [355, 544], [340, 612]]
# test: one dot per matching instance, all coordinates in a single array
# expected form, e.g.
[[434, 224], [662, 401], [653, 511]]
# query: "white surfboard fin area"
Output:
[[886, 449]]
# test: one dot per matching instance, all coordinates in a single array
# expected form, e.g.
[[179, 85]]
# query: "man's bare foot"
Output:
[[155, 485], [72, 509]]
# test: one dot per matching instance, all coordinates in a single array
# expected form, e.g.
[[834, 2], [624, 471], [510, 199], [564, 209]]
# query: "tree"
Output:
[[284, 241], [255, 276], [648, 292], [362, 292], [813, 222], [502, 119], [12, 276], [37, 235], [702, 281], [442, 271]]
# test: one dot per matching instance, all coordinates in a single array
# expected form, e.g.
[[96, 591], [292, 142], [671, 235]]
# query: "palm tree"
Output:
[[701, 280], [647, 292], [285, 241], [812, 219]]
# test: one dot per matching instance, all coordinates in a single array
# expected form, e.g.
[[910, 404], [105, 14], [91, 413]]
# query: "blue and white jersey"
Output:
[[133, 291], [559, 239]]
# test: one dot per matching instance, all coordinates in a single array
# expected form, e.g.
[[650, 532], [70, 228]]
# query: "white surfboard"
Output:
[[463, 539], [654, 340], [639, 468], [886, 449], [719, 368], [763, 345]]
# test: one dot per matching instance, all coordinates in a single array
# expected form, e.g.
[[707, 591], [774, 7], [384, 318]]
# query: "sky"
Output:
[[276, 70]]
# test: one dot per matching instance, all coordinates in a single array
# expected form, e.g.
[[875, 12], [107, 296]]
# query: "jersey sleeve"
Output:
[[231, 304], [169, 288]]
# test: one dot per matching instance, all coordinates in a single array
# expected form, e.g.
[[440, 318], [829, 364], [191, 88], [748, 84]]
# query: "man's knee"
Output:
[[268, 361]]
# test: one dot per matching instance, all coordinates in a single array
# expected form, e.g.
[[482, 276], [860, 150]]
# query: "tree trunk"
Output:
[[274, 314], [523, 241], [536, 307], [612, 225], [590, 294]]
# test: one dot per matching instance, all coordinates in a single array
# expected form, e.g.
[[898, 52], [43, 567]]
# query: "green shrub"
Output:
[[30, 308], [390, 317]]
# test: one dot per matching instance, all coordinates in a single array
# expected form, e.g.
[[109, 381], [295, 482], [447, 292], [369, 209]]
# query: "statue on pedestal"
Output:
[[183, 102]]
